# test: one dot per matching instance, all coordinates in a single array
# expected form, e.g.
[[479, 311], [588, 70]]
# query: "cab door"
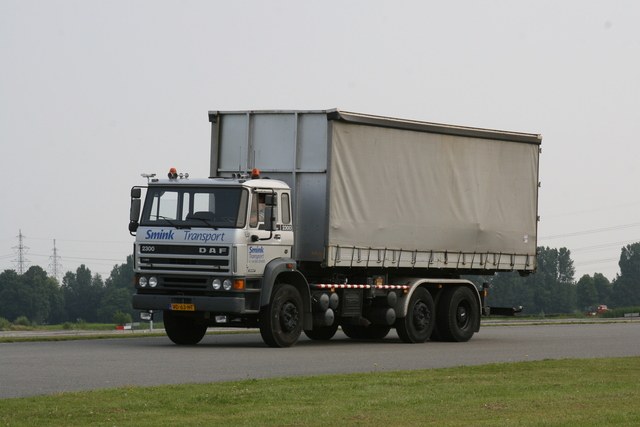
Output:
[[267, 245]]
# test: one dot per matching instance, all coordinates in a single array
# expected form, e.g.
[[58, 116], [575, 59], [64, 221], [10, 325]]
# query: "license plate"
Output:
[[183, 307]]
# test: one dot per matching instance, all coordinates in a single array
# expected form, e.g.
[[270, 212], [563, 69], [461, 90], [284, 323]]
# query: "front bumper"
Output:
[[222, 305]]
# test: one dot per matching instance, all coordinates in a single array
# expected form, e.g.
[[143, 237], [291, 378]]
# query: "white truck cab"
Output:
[[203, 238]]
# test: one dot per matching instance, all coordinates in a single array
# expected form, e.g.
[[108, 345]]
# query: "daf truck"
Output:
[[316, 220]]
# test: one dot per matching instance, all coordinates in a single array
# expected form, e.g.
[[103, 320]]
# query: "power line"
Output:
[[598, 230], [583, 211], [596, 261], [84, 241], [605, 245]]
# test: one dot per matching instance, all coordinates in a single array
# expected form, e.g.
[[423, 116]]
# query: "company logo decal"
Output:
[[160, 235], [188, 235], [204, 237], [256, 254], [214, 250]]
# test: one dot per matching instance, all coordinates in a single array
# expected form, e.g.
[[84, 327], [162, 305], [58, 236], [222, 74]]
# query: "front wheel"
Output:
[[458, 315], [183, 330], [417, 325], [281, 320]]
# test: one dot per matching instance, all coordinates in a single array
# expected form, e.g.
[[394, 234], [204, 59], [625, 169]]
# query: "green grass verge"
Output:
[[546, 393]]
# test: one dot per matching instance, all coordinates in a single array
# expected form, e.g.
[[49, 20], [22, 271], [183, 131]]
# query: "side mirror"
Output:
[[270, 200], [136, 192], [269, 217], [134, 213]]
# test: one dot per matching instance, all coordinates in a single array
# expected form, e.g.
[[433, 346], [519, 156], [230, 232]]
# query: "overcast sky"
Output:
[[93, 93]]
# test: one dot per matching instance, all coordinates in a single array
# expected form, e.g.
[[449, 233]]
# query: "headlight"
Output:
[[217, 284], [153, 281], [227, 285], [142, 281]]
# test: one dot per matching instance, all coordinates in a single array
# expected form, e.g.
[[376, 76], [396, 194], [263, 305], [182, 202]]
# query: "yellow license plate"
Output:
[[183, 307]]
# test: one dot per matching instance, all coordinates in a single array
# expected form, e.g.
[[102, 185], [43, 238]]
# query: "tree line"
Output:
[[80, 297], [553, 289]]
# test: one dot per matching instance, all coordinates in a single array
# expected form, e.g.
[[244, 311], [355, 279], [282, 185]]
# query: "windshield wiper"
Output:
[[179, 227], [205, 221]]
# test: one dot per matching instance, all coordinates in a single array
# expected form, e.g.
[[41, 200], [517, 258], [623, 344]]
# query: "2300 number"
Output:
[[147, 249]]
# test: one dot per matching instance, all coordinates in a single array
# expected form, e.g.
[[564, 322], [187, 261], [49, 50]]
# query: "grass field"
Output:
[[544, 393]]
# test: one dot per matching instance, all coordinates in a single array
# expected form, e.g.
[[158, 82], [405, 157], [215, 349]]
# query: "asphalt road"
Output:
[[37, 368]]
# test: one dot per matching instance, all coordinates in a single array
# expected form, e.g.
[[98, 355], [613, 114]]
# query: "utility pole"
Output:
[[55, 269], [21, 262]]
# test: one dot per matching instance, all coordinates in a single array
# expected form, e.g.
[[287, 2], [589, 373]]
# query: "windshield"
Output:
[[195, 207]]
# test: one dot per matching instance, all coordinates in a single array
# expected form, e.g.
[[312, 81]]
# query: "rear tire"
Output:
[[417, 325], [371, 332], [458, 315], [353, 331], [281, 320], [322, 333], [183, 330], [376, 332]]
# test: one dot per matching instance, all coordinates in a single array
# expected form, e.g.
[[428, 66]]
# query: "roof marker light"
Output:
[[255, 173], [173, 173]]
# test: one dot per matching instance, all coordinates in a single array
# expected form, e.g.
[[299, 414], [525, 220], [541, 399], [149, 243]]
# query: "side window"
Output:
[[257, 210], [286, 209]]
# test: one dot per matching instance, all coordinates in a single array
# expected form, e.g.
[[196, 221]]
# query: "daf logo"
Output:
[[208, 251]]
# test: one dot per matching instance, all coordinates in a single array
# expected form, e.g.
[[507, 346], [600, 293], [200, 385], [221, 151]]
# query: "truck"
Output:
[[316, 220]]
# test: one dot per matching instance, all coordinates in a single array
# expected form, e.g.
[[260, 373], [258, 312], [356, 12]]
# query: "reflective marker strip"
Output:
[[347, 286]]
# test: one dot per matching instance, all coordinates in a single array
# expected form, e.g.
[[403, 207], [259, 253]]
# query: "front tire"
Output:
[[458, 315], [417, 325], [183, 330], [281, 320]]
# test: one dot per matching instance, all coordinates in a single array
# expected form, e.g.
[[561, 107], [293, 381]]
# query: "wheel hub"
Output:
[[288, 316], [462, 316], [421, 316]]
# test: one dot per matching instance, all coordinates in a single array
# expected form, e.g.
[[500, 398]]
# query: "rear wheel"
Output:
[[353, 331], [376, 332], [183, 330], [372, 332], [417, 325], [458, 315], [322, 333], [281, 320]]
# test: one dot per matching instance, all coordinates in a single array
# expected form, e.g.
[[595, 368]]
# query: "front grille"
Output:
[[213, 263], [192, 258]]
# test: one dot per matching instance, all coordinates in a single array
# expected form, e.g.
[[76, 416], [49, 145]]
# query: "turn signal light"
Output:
[[238, 284]]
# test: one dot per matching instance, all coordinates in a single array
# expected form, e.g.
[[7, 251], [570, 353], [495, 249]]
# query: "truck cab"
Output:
[[204, 247]]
